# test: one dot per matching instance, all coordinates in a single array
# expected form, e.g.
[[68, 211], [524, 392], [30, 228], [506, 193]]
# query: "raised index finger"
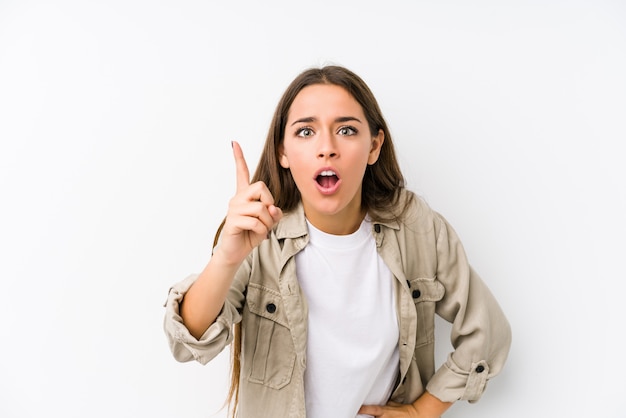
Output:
[[243, 175]]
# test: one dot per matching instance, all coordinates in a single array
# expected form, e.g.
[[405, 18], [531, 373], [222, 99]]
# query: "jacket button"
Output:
[[480, 369], [416, 294], [271, 308], [377, 228]]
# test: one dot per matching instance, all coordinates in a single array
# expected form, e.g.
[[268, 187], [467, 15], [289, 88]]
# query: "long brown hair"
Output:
[[382, 181]]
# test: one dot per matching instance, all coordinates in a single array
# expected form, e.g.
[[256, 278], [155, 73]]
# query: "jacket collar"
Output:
[[293, 223]]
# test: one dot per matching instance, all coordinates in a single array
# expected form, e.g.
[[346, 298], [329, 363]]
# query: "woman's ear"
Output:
[[282, 158], [377, 144]]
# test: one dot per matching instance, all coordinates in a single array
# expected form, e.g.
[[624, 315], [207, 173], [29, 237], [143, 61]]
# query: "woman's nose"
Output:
[[327, 146]]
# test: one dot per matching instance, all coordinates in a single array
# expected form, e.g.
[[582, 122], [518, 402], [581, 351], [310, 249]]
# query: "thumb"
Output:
[[275, 212], [373, 410]]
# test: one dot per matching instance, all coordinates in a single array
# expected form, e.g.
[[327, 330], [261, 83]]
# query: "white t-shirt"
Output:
[[352, 346]]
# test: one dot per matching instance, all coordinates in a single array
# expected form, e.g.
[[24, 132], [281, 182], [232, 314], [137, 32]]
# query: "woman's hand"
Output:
[[251, 215], [391, 410], [426, 406]]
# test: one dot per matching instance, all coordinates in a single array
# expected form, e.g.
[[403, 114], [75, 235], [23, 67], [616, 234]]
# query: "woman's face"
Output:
[[327, 146]]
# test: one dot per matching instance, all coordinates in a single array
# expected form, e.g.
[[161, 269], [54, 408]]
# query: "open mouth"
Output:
[[327, 179]]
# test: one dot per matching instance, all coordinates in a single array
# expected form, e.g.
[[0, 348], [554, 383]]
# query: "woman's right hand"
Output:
[[251, 215]]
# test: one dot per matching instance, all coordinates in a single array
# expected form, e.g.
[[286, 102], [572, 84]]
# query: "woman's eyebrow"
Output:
[[304, 120], [348, 119], [340, 119]]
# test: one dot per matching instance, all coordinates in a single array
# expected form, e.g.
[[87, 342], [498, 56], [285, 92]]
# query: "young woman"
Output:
[[329, 272]]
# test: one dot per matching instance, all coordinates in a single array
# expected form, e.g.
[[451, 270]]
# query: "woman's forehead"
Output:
[[324, 100]]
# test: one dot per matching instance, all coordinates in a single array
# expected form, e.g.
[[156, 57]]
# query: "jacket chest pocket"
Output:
[[269, 355], [426, 292]]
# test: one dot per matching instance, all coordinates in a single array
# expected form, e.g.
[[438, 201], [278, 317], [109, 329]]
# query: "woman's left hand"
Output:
[[391, 410]]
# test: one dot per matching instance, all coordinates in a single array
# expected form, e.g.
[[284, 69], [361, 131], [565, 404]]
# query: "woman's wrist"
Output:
[[429, 406]]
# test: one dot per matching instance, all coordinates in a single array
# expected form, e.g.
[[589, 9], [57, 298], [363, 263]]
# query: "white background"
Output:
[[115, 169]]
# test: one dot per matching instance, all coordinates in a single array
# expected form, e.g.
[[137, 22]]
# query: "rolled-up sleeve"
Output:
[[481, 334], [184, 346]]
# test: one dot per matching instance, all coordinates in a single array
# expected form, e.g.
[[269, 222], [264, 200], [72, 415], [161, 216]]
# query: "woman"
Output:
[[330, 272]]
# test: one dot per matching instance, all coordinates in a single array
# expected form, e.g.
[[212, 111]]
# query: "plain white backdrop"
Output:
[[115, 170]]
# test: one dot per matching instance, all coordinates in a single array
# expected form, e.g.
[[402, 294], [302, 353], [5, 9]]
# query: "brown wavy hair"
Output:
[[382, 182]]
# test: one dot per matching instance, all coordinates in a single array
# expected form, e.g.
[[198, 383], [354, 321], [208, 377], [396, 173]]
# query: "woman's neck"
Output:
[[343, 223]]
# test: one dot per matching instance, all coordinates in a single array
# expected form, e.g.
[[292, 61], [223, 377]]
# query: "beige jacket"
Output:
[[431, 275]]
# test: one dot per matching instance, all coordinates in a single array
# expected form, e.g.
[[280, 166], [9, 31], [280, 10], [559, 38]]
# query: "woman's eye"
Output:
[[305, 132], [347, 131]]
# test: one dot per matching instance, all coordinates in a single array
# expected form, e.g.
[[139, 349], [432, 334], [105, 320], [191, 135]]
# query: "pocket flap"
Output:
[[267, 303], [426, 289]]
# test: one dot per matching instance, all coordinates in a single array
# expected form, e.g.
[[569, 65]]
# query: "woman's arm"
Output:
[[251, 215]]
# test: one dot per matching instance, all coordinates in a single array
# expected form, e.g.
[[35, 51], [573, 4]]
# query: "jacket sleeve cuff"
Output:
[[450, 384], [184, 346]]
